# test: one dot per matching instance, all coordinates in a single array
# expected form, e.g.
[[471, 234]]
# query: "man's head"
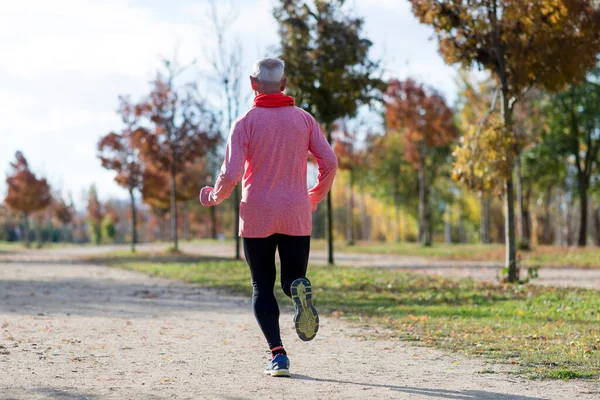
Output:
[[267, 76]]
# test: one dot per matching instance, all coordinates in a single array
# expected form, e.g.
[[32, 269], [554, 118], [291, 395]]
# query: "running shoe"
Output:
[[278, 366], [306, 318]]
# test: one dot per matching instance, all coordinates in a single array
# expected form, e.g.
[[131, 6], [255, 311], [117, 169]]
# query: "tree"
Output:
[[65, 214], [474, 100], [523, 43], [226, 62], [328, 67], [95, 215], [427, 126], [390, 176], [546, 171], [188, 183], [574, 130], [183, 131], [117, 152], [351, 158], [26, 193]]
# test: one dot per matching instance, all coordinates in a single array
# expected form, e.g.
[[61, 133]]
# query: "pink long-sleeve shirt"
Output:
[[268, 148]]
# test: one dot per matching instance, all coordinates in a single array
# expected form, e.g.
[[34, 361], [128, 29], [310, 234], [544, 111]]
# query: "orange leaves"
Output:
[[546, 43], [94, 207], [26, 193], [117, 151], [421, 114]]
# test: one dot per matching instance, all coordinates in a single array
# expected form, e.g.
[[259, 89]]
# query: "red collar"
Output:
[[273, 100]]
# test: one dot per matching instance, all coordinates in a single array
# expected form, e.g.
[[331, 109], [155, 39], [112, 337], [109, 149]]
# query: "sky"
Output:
[[65, 62]]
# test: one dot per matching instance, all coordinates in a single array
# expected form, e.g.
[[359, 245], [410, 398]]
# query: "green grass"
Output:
[[438, 250], [20, 246], [547, 256], [9, 247], [546, 332]]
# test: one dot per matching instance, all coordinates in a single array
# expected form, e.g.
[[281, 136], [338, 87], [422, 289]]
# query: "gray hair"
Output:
[[269, 70]]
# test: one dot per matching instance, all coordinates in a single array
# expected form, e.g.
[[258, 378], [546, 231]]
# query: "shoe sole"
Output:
[[282, 373], [306, 318]]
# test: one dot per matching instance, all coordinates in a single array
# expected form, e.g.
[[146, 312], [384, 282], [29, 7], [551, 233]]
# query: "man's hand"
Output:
[[204, 195]]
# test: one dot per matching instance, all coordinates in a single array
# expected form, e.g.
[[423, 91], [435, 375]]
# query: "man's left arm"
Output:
[[232, 169]]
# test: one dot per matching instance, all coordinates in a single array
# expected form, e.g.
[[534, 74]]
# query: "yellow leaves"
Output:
[[421, 318], [484, 158]]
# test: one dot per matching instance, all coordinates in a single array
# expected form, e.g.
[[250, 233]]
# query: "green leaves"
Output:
[[327, 64]]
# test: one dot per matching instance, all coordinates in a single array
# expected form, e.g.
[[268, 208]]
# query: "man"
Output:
[[268, 147]]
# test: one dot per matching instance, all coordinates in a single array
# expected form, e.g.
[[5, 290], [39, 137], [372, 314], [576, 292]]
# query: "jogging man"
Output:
[[268, 147]]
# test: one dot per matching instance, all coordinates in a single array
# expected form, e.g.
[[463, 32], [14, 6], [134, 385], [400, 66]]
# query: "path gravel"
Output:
[[76, 331], [480, 270]]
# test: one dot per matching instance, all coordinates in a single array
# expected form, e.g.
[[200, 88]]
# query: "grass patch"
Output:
[[9, 247], [544, 331], [478, 252], [547, 256], [566, 374]]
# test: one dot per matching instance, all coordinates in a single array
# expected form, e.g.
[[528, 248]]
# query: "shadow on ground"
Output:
[[434, 393], [59, 394], [103, 296]]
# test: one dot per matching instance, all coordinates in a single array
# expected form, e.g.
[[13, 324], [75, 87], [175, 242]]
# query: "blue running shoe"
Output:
[[278, 366], [306, 318]]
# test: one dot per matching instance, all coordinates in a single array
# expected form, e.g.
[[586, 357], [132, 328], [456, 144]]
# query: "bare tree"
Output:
[[226, 60]]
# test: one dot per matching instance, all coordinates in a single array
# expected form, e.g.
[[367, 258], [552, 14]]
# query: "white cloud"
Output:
[[64, 62]]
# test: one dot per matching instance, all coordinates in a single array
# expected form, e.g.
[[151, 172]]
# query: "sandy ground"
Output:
[[75, 331], [480, 270]]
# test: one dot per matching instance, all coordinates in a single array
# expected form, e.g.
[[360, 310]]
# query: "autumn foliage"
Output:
[[183, 129], [422, 115], [542, 43], [26, 193], [426, 124], [116, 151]]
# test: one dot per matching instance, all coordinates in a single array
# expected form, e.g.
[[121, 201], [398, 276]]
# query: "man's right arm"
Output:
[[326, 160]]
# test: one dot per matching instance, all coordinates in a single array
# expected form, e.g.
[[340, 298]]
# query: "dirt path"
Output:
[[485, 271], [73, 331]]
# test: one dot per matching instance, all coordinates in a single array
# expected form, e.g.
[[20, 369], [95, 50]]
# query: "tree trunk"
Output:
[[424, 212], [521, 229], [365, 218], [164, 229], [509, 196], [569, 220], [597, 224], [547, 235], [38, 233], [462, 234], [186, 221], [398, 230], [236, 224], [447, 226], [511, 245], [133, 222], [527, 217], [484, 228], [329, 217], [26, 229], [213, 222], [350, 214], [398, 235], [174, 203], [583, 189]]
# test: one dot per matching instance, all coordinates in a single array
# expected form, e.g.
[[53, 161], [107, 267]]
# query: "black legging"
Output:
[[260, 255]]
